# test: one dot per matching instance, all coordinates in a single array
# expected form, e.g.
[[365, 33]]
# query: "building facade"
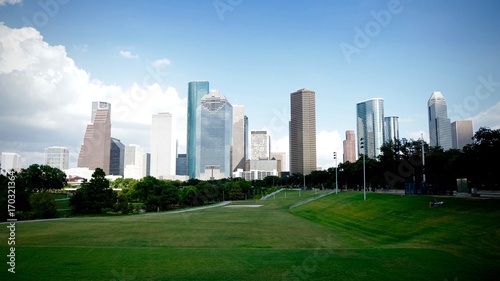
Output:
[[10, 161], [163, 146], [134, 162], [349, 145], [238, 150], [96, 147], [116, 157], [439, 123], [302, 132], [391, 128], [260, 145], [280, 156], [209, 145], [370, 126], [57, 157], [461, 133], [196, 91], [181, 165]]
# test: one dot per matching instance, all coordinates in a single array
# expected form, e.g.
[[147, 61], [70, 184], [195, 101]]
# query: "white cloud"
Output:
[[326, 144], [12, 2], [46, 100], [489, 118], [128, 55], [160, 63]]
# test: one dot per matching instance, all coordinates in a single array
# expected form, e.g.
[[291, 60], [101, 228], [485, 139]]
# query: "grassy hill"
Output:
[[338, 237]]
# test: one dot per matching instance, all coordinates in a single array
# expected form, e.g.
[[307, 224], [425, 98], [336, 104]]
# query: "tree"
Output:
[[43, 205], [93, 196], [41, 177], [157, 195], [122, 204]]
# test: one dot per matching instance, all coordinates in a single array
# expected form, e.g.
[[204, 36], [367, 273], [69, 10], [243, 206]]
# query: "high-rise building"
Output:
[[116, 157], [302, 132], [181, 165], [391, 128], [260, 145], [57, 157], [10, 161], [209, 156], [238, 151], [134, 162], [370, 126], [439, 123], [349, 145], [95, 150], [196, 90], [147, 164], [246, 138], [461, 133], [163, 146], [280, 156]]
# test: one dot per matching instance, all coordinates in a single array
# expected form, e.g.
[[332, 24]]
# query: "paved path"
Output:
[[311, 199]]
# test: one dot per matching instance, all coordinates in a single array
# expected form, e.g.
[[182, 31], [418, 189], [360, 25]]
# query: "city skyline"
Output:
[[54, 75]]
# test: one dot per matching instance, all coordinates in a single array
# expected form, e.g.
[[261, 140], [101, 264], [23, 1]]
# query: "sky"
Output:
[[57, 56]]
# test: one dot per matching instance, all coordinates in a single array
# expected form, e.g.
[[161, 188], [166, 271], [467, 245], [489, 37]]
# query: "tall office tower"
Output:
[[260, 145], [116, 157], [461, 133], [238, 152], [246, 139], [163, 146], [57, 157], [349, 147], [439, 123], [10, 161], [214, 138], [147, 164], [134, 162], [280, 156], [181, 165], [391, 128], [302, 132], [196, 90], [96, 148], [370, 125]]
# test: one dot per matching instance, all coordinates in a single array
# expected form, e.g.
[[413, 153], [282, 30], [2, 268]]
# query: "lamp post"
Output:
[[362, 145], [336, 168]]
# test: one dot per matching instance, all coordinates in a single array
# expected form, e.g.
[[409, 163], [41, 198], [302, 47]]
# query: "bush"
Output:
[[43, 205]]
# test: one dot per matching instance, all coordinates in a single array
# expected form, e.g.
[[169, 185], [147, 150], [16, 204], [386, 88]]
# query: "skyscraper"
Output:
[[260, 145], [238, 151], [391, 128], [280, 156], [134, 162], [116, 157], [95, 151], [439, 123], [209, 156], [349, 147], [196, 90], [370, 126], [461, 133], [57, 157], [302, 131], [163, 146]]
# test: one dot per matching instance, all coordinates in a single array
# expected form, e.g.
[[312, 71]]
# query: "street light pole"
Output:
[[336, 168], [362, 145]]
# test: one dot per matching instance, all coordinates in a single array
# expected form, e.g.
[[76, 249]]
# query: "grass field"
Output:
[[338, 237]]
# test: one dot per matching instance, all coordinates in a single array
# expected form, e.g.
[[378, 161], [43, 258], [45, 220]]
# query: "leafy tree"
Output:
[[93, 196], [41, 177], [157, 194], [122, 205], [43, 205]]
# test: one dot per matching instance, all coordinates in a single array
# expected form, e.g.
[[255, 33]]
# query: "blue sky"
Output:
[[257, 53]]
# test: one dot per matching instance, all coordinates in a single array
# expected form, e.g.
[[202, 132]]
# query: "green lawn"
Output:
[[338, 237]]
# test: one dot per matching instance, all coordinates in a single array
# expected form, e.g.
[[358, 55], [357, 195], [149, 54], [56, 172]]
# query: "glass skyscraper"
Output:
[[391, 128], [116, 157], [439, 123], [370, 126], [210, 128]]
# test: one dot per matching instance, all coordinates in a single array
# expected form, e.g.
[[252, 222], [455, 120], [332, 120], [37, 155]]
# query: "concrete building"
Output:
[[181, 165], [302, 132], [96, 147], [349, 145], [10, 161], [439, 123], [57, 157], [260, 145], [239, 141], [281, 156], [134, 162], [461, 133], [163, 146]]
